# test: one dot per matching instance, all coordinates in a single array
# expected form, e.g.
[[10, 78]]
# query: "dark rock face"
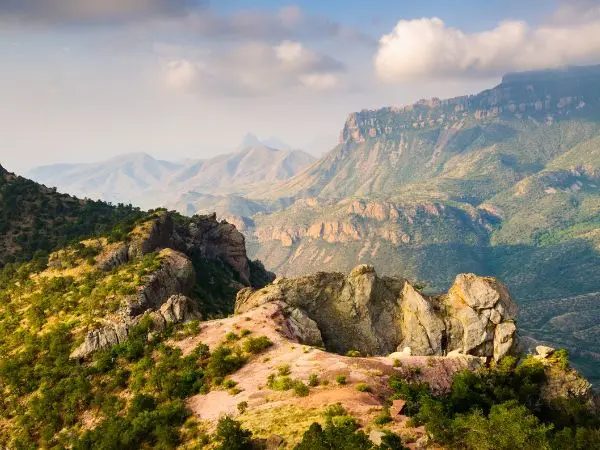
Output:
[[213, 239], [378, 316], [202, 236]]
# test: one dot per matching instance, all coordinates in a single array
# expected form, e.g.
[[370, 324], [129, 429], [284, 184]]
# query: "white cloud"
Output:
[[254, 68], [427, 48], [181, 74], [320, 81]]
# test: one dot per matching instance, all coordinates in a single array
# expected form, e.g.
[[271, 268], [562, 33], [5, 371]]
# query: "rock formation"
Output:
[[163, 295], [379, 315]]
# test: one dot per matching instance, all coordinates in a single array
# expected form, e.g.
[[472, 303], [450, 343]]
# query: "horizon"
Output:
[[188, 79]]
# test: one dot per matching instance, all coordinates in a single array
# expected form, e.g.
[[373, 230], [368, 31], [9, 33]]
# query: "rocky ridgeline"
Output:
[[545, 96], [382, 315], [163, 297]]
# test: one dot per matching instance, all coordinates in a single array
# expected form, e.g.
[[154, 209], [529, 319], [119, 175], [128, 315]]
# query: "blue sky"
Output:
[[83, 80]]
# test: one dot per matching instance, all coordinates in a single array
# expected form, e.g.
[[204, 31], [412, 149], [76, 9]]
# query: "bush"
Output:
[[284, 370], [362, 387], [300, 389], [353, 353], [383, 418], [341, 379], [223, 361], [231, 337], [245, 332], [256, 345], [242, 407], [508, 426], [313, 380], [231, 436]]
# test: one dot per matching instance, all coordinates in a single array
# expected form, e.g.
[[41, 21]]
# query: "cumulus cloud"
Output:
[[427, 48], [65, 11], [255, 68]]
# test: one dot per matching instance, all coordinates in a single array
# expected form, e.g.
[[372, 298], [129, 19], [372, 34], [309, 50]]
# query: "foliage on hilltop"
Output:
[[35, 220]]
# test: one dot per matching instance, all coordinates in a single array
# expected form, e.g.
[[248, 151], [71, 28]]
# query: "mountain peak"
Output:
[[251, 140]]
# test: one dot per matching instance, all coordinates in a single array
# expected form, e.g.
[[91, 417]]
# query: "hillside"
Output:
[[35, 219]]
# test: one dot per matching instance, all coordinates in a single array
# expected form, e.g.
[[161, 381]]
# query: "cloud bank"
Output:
[[85, 11], [428, 49], [255, 68]]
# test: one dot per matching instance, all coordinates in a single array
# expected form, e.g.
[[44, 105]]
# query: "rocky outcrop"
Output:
[[175, 275], [177, 309], [163, 292], [199, 236], [211, 239], [379, 315]]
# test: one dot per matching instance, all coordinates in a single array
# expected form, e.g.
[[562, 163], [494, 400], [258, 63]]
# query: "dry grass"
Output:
[[287, 421]]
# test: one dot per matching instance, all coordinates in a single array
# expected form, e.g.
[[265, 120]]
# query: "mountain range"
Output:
[[140, 179], [504, 183]]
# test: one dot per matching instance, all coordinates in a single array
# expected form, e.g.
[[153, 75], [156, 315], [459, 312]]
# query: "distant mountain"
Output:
[[142, 180], [250, 140], [119, 179], [229, 173]]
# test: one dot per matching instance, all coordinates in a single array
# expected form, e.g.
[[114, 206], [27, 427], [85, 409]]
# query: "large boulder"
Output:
[[378, 316]]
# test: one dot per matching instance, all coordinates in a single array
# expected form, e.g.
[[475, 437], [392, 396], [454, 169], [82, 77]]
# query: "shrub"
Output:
[[300, 389], [223, 361], [256, 345], [231, 436], [284, 370], [279, 383], [508, 426], [384, 417], [313, 380], [353, 353], [242, 407], [245, 332], [362, 387], [228, 384], [341, 379], [231, 337]]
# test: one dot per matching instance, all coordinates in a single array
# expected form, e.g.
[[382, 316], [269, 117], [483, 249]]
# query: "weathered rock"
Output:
[[101, 339], [161, 292], [153, 235], [422, 327], [176, 275], [212, 239], [179, 309], [114, 258], [379, 315], [303, 328], [544, 351], [376, 437], [482, 317]]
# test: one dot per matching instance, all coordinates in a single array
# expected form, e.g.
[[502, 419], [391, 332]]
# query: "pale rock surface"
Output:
[[377, 315]]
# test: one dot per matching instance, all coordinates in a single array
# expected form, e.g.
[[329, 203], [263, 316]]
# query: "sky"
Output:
[[86, 80]]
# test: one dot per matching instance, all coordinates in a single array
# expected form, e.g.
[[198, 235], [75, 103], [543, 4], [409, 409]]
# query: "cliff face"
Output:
[[378, 316]]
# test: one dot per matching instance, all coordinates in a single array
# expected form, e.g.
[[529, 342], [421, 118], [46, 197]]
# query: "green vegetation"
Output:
[[340, 379], [501, 408], [341, 432], [35, 220], [257, 345]]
